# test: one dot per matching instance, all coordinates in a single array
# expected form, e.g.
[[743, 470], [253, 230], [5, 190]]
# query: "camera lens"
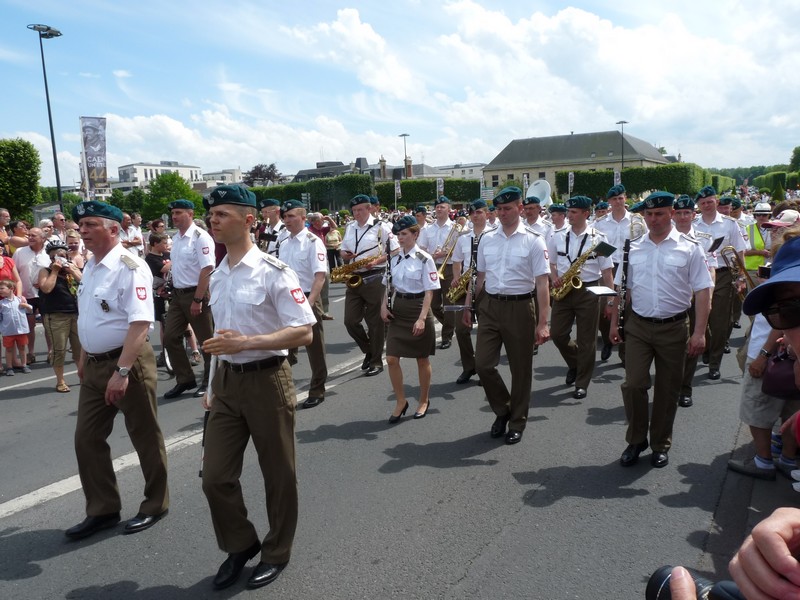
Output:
[[658, 586]]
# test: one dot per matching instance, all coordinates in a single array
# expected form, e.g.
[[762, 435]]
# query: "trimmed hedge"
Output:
[[678, 178]]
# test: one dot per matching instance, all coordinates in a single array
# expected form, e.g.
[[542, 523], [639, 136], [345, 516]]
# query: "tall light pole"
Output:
[[46, 32], [622, 144], [405, 154]]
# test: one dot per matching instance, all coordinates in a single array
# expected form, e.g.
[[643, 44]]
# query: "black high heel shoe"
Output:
[[421, 415], [394, 419]]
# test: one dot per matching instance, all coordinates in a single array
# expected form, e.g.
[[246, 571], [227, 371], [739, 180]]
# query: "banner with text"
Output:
[[93, 144]]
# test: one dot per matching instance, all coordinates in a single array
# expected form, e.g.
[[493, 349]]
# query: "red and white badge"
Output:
[[298, 296], [141, 293], [434, 276], [321, 257], [546, 256], [206, 250]]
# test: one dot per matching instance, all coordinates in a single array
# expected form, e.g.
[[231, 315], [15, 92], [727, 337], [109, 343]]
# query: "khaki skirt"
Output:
[[400, 341]]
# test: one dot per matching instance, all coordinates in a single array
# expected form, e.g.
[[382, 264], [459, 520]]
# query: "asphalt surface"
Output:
[[430, 508]]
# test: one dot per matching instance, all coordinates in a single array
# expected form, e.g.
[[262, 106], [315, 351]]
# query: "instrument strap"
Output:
[[358, 239]]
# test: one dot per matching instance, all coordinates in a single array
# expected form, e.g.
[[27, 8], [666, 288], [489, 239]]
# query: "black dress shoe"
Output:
[[445, 344], [230, 570], [685, 401], [727, 348], [396, 418], [91, 525], [465, 377], [421, 415], [572, 375], [372, 371], [311, 402], [178, 390], [367, 360], [579, 393], [713, 374], [659, 459], [499, 426], [737, 325], [263, 574], [513, 436], [631, 454], [536, 350], [200, 392], [141, 522], [605, 353]]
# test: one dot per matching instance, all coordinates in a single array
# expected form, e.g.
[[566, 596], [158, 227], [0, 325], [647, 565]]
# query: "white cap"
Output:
[[762, 207], [786, 218]]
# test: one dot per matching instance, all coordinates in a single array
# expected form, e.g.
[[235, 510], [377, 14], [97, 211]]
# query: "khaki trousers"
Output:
[[364, 303], [464, 337], [438, 302], [95, 422], [719, 319], [582, 308], [316, 355], [511, 324], [178, 317], [257, 405]]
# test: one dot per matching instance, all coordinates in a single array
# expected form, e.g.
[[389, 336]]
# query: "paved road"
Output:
[[430, 508]]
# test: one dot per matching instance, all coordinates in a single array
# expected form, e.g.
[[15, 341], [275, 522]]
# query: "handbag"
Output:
[[778, 379]]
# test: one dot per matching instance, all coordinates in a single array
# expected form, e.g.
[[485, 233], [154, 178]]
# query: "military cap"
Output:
[[93, 208], [181, 203], [374, 200], [726, 200], [291, 205], [615, 190], [477, 205], [421, 209], [359, 199], [492, 207], [265, 202], [737, 203], [706, 192], [602, 205], [683, 202], [508, 194], [441, 200], [56, 245], [232, 194], [531, 200], [659, 200], [557, 208], [403, 223], [582, 202]]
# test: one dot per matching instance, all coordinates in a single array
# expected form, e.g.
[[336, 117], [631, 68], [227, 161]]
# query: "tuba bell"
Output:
[[540, 189]]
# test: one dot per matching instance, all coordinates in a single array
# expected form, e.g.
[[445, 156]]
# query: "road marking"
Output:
[[172, 444]]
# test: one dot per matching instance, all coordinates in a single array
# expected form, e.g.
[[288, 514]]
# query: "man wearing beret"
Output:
[[617, 225], [271, 227], [117, 369], [260, 311], [663, 271], [579, 306], [719, 322], [193, 260], [512, 266], [532, 210], [438, 239], [558, 215], [421, 215], [305, 254], [367, 238]]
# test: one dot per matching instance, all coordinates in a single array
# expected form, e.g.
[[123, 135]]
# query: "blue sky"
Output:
[[233, 84]]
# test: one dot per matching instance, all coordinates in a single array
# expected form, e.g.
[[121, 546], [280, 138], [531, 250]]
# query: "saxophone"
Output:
[[344, 273], [570, 279], [454, 294]]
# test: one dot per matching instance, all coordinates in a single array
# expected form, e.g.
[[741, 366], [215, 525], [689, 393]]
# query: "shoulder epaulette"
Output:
[[731, 219], [529, 230], [690, 238], [129, 261], [275, 262], [421, 257], [198, 232], [310, 235], [703, 234]]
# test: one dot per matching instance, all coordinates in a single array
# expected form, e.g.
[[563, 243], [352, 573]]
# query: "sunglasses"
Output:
[[784, 314]]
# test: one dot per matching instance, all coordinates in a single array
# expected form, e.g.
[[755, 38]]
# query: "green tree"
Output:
[[70, 201], [794, 164], [164, 189], [135, 201], [261, 174], [117, 199], [20, 168]]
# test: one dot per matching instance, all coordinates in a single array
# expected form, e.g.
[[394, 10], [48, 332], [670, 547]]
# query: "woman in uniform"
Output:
[[412, 277]]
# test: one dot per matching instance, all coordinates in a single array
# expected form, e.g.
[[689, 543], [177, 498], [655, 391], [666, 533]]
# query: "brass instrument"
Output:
[[451, 240], [346, 273], [454, 294], [570, 280], [638, 226], [540, 189], [734, 262]]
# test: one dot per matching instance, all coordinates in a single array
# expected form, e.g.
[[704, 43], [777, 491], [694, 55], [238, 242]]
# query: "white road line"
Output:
[[173, 444], [30, 381]]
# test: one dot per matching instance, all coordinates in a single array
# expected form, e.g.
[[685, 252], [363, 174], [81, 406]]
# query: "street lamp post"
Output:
[[405, 155], [47, 32], [622, 144]]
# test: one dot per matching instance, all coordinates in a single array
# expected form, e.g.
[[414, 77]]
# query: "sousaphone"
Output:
[[540, 189]]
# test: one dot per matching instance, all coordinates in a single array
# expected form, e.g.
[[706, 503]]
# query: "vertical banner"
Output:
[[93, 147], [439, 186], [571, 181], [617, 178], [524, 185]]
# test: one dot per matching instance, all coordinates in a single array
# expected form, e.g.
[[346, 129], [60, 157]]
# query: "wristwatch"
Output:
[[765, 353], [198, 300], [123, 371]]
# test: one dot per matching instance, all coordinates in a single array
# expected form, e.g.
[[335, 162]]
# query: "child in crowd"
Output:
[[14, 325]]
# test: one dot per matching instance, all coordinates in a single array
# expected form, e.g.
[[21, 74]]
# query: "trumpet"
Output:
[[451, 241], [734, 262]]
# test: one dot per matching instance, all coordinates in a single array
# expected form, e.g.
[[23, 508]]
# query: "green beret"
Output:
[[93, 208], [181, 203], [508, 194], [291, 205], [582, 202], [706, 192], [560, 208], [659, 200], [403, 223], [232, 194], [441, 200], [602, 205], [265, 202], [531, 200], [492, 207], [683, 202], [737, 203], [359, 199], [637, 207], [421, 209], [374, 200], [726, 200], [615, 190], [477, 205]]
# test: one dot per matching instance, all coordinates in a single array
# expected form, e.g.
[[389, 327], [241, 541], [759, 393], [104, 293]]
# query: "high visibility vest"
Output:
[[751, 263]]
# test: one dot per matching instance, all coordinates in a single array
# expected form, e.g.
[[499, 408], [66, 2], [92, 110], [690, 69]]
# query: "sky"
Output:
[[233, 84]]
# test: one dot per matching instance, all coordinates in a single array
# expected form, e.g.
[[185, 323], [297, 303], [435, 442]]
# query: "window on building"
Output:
[[611, 153], [542, 175], [509, 177], [470, 171], [594, 154], [495, 180]]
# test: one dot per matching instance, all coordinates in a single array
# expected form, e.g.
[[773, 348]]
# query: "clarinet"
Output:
[[623, 290], [389, 287], [473, 264]]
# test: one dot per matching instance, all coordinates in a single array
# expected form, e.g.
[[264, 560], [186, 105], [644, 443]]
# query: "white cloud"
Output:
[[121, 73]]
